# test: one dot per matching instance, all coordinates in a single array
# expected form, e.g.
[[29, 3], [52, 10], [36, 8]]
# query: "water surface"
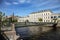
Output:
[[29, 33]]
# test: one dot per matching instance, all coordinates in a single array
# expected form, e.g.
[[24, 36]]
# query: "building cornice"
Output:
[[42, 11]]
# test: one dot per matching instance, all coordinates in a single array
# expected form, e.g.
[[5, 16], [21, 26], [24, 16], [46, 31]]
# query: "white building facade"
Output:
[[22, 19], [45, 15]]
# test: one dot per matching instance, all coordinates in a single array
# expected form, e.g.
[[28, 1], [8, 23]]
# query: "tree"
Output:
[[15, 20], [40, 19], [1, 18], [12, 20], [5, 21]]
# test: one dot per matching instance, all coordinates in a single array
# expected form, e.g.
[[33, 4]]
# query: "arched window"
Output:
[[51, 16], [55, 16]]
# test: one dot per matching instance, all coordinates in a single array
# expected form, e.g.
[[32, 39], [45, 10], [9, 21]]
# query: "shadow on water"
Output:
[[53, 34], [3, 36], [54, 26]]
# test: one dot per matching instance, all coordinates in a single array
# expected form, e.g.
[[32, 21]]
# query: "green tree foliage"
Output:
[[15, 20], [12, 20], [5, 21], [40, 19], [1, 18]]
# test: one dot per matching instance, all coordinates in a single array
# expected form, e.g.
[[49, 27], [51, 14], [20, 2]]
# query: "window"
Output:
[[54, 16], [46, 13], [51, 16], [44, 20], [42, 14], [48, 17], [44, 17]]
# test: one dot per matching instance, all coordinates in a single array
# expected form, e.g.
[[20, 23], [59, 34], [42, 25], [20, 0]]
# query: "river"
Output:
[[35, 33]]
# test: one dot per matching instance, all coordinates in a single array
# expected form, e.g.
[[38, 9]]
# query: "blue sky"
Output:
[[25, 7]]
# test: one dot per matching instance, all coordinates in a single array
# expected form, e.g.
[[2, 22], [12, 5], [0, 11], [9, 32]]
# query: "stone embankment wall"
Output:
[[12, 33]]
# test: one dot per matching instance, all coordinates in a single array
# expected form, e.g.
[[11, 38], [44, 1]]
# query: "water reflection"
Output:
[[23, 32], [51, 35], [26, 33]]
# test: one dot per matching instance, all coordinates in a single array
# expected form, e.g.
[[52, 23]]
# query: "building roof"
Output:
[[41, 11]]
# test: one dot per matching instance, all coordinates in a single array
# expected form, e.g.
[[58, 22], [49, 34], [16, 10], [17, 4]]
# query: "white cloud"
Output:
[[15, 3], [19, 1], [24, 1], [7, 3], [28, 1]]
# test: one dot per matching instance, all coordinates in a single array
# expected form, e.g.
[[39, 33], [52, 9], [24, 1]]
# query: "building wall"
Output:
[[22, 19], [34, 17], [47, 16]]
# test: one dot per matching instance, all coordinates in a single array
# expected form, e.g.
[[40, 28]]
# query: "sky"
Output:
[[25, 7]]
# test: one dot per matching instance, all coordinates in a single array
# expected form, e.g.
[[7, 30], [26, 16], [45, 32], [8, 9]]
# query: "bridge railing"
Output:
[[32, 23]]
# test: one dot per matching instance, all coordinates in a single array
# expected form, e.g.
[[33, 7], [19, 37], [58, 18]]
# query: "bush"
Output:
[[40, 19]]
